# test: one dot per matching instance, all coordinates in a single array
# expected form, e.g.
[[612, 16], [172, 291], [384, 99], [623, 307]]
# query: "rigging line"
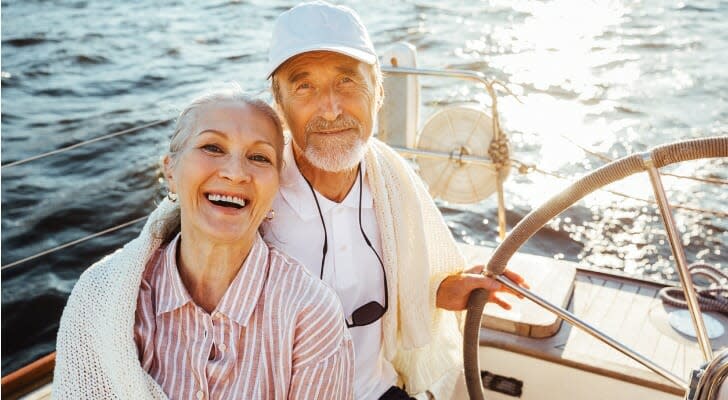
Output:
[[73, 146], [716, 181], [74, 242], [523, 167]]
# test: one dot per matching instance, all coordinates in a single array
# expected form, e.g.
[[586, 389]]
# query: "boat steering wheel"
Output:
[[649, 161]]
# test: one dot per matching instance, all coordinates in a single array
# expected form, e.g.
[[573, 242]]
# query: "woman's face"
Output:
[[227, 174]]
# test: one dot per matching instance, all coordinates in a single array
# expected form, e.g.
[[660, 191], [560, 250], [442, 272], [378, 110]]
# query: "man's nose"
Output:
[[330, 105], [235, 169]]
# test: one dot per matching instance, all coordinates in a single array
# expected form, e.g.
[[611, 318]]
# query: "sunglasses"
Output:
[[369, 312]]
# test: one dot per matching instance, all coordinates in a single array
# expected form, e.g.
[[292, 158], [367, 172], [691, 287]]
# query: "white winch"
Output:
[[460, 131], [451, 149]]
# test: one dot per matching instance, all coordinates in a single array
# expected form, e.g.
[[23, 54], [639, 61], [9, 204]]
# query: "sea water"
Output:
[[593, 80]]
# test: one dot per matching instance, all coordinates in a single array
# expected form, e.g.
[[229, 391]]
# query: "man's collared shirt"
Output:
[[276, 333], [351, 267]]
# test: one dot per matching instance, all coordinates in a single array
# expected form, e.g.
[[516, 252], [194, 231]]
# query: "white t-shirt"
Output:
[[351, 267]]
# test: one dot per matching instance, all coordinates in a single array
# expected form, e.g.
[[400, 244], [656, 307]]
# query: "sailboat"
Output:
[[620, 339]]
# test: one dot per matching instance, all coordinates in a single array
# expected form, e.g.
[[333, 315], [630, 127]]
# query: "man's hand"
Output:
[[454, 290]]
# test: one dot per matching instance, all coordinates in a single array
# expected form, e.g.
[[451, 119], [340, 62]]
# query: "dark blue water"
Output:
[[613, 78]]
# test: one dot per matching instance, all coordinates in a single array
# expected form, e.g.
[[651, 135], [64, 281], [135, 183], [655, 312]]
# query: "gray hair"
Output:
[[232, 94], [167, 228]]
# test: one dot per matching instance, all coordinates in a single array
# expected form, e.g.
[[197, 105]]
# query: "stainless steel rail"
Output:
[[679, 253], [591, 330], [450, 73], [480, 78], [464, 158]]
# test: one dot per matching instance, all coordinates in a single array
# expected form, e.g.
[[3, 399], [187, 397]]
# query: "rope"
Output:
[[714, 297], [498, 150], [524, 168], [73, 146], [72, 243], [715, 181]]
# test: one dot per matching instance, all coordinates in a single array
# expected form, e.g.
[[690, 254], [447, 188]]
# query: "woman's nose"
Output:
[[235, 169]]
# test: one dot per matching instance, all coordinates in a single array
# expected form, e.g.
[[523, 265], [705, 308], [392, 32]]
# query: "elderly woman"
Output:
[[198, 306]]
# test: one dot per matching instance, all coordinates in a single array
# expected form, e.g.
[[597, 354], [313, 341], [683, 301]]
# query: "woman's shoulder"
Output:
[[119, 269], [99, 273]]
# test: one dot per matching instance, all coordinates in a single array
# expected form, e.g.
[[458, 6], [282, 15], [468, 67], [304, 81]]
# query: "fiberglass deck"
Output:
[[626, 309]]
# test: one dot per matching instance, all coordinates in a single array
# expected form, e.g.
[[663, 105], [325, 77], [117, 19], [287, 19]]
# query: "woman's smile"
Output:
[[227, 174]]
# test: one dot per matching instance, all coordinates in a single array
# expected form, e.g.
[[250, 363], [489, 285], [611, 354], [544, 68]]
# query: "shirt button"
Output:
[[343, 248], [200, 395], [222, 347]]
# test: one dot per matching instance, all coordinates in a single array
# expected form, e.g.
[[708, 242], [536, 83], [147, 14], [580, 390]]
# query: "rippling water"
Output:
[[613, 77]]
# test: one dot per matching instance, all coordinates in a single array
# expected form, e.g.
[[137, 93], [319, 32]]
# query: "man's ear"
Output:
[[281, 115], [380, 97], [167, 170]]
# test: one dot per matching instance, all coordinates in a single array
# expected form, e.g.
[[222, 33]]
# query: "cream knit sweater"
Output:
[[97, 360], [423, 342]]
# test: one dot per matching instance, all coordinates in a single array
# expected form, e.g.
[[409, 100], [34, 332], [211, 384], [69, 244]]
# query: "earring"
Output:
[[172, 196], [271, 215]]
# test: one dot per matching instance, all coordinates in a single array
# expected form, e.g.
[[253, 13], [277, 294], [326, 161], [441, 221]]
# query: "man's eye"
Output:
[[303, 86], [212, 148], [346, 79]]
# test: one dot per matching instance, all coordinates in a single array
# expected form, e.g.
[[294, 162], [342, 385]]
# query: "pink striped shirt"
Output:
[[276, 333]]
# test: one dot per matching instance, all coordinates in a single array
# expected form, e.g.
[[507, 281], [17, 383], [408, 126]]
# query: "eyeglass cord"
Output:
[[361, 228]]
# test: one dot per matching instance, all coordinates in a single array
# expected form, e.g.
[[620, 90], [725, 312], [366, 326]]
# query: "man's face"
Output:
[[328, 101]]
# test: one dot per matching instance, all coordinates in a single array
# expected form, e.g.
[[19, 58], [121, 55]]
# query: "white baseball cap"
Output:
[[317, 26]]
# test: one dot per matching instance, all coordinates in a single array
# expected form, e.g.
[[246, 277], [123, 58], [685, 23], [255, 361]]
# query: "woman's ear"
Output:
[[167, 169]]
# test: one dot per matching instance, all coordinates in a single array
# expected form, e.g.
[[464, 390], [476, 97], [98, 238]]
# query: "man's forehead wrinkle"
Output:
[[303, 66], [347, 69], [297, 76]]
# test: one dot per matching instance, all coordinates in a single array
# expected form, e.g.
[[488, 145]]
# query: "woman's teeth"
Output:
[[226, 201]]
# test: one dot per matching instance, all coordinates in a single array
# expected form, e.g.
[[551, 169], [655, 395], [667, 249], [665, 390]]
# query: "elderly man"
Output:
[[354, 212]]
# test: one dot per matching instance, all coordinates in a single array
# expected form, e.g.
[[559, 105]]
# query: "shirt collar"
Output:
[[175, 292], [239, 300], [295, 191]]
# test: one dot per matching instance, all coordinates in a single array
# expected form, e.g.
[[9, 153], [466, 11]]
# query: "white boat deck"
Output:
[[626, 309]]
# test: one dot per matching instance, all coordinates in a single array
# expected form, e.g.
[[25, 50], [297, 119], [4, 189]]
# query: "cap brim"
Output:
[[363, 56]]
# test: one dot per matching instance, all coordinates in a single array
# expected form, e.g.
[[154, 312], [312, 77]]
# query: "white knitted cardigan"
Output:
[[96, 356], [423, 342], [96, 359]]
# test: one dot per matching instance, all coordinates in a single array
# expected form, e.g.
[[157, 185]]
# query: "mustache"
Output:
[[342, 122]]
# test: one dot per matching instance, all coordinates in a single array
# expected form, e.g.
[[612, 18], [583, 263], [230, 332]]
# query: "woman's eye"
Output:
[[212, 148], [260, 158]]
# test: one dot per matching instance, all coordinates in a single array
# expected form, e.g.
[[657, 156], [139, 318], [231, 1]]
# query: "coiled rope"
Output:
[[498, 150], [714, 297]]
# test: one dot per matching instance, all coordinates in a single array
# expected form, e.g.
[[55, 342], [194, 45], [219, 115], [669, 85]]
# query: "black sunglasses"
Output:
[[369, 312]]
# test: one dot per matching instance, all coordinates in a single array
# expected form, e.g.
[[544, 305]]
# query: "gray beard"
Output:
[[336, 153]]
